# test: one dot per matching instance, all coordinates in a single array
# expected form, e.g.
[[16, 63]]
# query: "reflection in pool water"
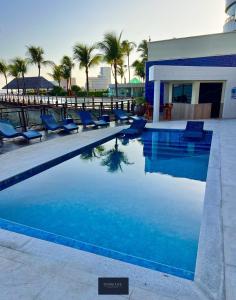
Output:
[[137, 200]]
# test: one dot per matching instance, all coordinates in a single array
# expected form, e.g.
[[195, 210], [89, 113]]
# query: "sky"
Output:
[[56, 25]]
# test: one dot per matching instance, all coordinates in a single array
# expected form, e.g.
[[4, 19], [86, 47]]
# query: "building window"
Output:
[[182, 93]]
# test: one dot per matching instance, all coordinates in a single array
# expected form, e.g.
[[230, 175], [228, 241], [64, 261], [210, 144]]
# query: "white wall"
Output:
[[229, 109], [180, 73], [190, 47]]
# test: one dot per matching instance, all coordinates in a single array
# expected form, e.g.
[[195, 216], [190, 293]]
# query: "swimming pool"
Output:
[[139, 201]]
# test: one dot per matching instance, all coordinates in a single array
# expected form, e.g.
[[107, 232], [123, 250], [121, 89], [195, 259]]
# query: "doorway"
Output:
[[211, 93]]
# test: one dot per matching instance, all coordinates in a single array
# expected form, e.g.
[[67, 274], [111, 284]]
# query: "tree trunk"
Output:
[[67, 85], [70, 86], [6, 82], [116, 144], [23, 77], [116, 84], [87, 80], [18, 86], [128, 68], [39, 68]]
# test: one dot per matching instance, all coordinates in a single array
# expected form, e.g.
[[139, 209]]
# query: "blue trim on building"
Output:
[[210, 61]]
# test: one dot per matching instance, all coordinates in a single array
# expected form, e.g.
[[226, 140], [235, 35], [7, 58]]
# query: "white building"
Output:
[[64, 83], [196, 74], [230, 9], [102, 81]]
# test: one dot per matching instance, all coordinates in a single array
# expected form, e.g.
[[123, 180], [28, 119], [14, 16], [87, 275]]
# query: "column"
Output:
[[156, 101], [195, 92], [170, 85]]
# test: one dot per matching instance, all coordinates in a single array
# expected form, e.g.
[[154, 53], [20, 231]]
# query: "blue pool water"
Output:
[[138, 201]]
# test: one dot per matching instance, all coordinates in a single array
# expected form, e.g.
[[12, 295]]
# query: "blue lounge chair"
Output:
[[194, 130], [136, 128], [51, 124], [7, 130], [123, 116], [87, 119]]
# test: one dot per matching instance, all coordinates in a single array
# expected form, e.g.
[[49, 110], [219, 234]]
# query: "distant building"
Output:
[[102, 81], [135, 88], [230, 9], [64, 83]]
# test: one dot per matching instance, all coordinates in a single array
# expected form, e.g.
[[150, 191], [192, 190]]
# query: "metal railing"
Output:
[[90, 102], [25, 111]]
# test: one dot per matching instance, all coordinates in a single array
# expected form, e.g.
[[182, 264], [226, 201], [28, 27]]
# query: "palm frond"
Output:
[[95, 60], [3, 67], [111, 47], [84, 55], [143, 49], [20, 65]]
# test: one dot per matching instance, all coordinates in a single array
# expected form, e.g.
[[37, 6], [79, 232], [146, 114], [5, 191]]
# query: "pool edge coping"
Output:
[[210, 259]]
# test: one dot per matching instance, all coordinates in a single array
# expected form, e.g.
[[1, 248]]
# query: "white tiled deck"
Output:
[[36, 269], [25, 158]]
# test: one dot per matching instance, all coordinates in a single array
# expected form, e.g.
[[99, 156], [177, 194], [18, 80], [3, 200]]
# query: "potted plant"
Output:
[[140, 106]]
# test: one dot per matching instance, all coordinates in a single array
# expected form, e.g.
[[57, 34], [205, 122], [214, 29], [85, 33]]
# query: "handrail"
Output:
[[24, 106]]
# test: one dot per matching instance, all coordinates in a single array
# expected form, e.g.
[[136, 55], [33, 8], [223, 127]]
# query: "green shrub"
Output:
[[57, 91], [103, 93], [75, 89]]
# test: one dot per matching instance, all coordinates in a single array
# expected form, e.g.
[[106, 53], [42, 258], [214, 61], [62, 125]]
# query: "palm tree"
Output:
[[4, 70], [67, 66], [139, 68], [128, 47], [14, 72], [143, 49], [114, 159], [112, 48], [21, 66], [57, 74], [36, 57], [85, 56]]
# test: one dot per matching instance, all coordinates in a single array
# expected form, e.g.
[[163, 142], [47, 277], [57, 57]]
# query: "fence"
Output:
[[25, 111], [89, 102]]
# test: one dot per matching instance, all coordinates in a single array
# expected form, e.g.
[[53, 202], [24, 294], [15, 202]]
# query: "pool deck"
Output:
[[37, 269]]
